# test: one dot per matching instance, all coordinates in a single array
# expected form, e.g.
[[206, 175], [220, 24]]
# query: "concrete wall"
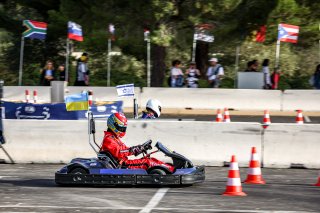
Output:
[[202, 98], [307, 100], [287, 145], [206, 143], [240, 99]]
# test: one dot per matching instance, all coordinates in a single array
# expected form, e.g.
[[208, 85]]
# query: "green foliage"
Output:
[[172, 26]]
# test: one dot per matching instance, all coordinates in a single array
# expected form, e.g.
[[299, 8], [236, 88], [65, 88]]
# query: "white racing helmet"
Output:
[[155, 106]]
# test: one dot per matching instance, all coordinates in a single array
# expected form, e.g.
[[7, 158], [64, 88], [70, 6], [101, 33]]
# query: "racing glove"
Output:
[[136, 150]]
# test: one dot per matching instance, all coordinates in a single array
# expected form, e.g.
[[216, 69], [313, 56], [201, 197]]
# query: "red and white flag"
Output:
[[288, 33]]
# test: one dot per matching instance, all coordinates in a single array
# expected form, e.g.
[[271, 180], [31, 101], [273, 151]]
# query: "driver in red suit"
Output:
[[117, 125]]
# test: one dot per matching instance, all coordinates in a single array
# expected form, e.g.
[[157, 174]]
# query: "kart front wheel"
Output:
[[157, 172]]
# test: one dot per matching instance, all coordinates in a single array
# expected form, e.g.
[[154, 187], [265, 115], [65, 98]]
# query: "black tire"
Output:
[[157, 172], [79, 171]]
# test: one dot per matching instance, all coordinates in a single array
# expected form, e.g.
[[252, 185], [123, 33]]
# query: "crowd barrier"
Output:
[[208, 143], [201, 98]]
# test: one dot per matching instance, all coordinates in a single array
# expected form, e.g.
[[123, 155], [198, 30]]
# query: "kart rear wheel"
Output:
[[79, 171], [157, 172]]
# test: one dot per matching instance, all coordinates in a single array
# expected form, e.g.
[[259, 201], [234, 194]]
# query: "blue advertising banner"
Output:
[[56, 111]]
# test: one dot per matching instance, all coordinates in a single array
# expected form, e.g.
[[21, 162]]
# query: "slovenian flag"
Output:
[[125, 90], [77, 102], [37, 30], [288, 33], [74, 31]]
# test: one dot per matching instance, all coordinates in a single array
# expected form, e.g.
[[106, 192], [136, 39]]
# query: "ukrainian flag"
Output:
[[77, 102]]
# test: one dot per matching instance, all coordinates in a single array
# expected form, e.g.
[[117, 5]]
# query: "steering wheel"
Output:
[[147, 145]]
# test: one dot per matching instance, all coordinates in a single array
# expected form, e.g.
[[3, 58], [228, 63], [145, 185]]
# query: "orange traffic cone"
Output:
[[254, 171], [266, 119], [318, 183], [234, 187], [299, 118], [219, 116], [226, 115]]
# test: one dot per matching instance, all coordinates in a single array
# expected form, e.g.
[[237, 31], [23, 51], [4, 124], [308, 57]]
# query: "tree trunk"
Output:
[[202, 51], [158, 54]]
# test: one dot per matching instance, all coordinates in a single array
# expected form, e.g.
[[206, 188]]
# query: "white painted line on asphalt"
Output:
[[154, 200], [160, 209], [307, 119]]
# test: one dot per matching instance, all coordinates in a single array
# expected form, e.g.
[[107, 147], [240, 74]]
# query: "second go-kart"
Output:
[[106, 170]]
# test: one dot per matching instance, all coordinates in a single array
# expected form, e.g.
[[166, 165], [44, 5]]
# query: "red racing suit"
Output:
[[120, 151]]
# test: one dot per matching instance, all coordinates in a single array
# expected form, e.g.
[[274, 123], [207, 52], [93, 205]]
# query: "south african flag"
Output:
[[37, 30]]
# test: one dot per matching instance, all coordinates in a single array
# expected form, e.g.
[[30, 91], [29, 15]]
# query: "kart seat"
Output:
[[107, 156]]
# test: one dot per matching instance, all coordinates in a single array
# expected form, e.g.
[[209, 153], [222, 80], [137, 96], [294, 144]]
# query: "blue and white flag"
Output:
[[125, 90]]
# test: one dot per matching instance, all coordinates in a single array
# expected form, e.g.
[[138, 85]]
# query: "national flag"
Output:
[[74, 31], [125, 90], [77, 102], [202, 33], [146, 34], [261, 34], [37, 30], [288, 33]]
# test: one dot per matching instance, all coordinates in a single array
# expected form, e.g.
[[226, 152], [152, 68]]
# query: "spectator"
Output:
[[255, 65], [252, 66], [215, 73], [47, 74], [61, 72], [193, 74], [266, 74], [275, 78], [176, 74], [82, 74], [316, 77]]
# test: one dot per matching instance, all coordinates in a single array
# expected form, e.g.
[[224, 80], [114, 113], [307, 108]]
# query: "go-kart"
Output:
[[106, 170]]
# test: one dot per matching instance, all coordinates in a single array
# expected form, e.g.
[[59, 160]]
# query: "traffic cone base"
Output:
[[234, 191], [253, 179]]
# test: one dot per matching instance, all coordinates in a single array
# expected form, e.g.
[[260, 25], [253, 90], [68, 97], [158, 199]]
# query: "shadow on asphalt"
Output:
[[31, 182]]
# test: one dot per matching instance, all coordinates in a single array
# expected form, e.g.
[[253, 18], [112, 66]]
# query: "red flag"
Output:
[[261, 34]]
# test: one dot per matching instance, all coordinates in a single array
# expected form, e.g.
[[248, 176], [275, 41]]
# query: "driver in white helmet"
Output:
[[153, 109]]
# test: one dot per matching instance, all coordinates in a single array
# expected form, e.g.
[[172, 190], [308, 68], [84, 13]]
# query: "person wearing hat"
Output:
[[193, 75], [82, 78], [215, 73]]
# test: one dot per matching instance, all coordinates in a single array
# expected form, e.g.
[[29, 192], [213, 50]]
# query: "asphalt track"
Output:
[[31, 188]]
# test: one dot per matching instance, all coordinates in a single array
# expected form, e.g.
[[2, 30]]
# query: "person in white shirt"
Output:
[[215, 73], [193, 75], [266, 74], [176, 74]]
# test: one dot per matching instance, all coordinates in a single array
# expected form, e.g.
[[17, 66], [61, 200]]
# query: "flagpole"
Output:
[[236, 68], [276, 65], [21, 60], [67, 60], [148, 64], [194, 46], [319, 47], [109, 62]]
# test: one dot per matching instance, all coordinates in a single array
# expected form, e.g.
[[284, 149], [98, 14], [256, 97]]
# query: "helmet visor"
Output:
[[120, 128]]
